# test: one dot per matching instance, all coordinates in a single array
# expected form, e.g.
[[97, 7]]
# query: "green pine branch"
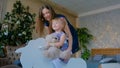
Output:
[[16, 27]]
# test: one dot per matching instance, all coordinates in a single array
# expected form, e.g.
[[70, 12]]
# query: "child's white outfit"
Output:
[[59, 62], [58, 35]]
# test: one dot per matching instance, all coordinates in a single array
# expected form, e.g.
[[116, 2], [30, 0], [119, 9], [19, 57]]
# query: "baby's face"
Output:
[[57, 25]]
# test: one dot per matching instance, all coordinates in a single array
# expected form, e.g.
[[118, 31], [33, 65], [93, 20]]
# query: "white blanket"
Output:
[[32, 57], [110, 65]]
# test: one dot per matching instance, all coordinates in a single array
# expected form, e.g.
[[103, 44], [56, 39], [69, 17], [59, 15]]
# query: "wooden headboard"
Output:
[[105, 51]]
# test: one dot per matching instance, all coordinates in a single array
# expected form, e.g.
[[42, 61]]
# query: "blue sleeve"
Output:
[[46, 24]]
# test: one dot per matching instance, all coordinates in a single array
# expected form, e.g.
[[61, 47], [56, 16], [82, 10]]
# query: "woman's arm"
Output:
[[67, 31]]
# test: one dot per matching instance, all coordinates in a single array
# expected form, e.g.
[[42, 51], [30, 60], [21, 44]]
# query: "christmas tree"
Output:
[[17, 26]]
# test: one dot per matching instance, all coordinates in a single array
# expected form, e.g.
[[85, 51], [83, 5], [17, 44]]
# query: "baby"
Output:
[[58, 25]]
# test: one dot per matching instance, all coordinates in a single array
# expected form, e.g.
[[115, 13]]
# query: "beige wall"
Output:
[[34, 8], [104, 27], [33, 4]]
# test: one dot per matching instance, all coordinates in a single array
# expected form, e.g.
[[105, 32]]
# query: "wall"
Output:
[[34, 8], [33, 4], [105, 28]]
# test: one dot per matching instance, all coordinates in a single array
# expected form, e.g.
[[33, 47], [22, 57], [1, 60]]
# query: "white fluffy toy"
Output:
[[53, 52]]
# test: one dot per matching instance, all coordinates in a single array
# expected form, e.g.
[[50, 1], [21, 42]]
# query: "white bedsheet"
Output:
[[110, 65]]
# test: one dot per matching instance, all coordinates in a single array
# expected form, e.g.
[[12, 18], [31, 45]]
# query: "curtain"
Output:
[[2, 9]]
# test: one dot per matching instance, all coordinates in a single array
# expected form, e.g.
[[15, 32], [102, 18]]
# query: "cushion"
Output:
[[97, 57], [110, 56], [106, 60], [118, 58], [11, 55]]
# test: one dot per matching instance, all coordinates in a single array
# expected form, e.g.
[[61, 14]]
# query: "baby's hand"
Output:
[[46, 47], [65, 54]]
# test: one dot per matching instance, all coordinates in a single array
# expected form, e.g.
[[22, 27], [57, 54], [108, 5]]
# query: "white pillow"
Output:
[[106, 60], [118, 58], [97, 57]]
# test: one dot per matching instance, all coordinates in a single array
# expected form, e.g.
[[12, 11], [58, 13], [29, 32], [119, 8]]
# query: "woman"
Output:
[[46, 14]]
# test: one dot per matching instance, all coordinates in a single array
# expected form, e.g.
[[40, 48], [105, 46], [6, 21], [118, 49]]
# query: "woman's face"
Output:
[[46, 14]]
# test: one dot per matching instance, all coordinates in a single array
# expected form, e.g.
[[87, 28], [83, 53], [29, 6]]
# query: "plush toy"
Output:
[[50, 39], [53, 52]]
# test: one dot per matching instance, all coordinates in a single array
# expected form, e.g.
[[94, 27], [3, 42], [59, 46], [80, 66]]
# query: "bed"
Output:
[[104, 58]]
